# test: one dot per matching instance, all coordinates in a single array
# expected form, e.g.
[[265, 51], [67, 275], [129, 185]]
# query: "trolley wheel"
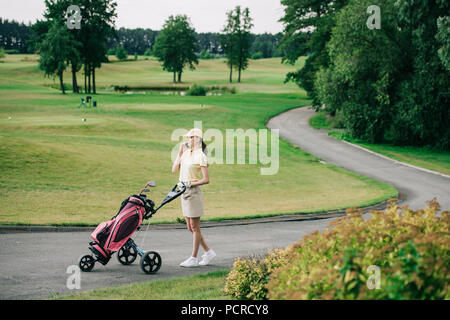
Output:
[[151, 262], [86, 263], [126, 255]]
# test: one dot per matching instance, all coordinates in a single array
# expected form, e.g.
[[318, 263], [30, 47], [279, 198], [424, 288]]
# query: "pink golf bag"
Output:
[[115, 235], [111, 235]]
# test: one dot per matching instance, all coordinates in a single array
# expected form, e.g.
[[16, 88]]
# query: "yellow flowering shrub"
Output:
[[396, 254], [249, 276]]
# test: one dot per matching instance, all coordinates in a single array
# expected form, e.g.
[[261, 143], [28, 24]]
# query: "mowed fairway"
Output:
[[57, 169]]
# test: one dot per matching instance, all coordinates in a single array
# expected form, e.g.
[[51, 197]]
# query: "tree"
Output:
[[38, 32], [133, 40], [390, 83], [263, 47], [363, 63], [121, 53], [422, 97], [57, 11], [307, 29], [97, 25], [210, 42], [56, 51], [443, 38], [176, 46], [148, 52], [75, 66], [229, 43], [236, 40], [98, 17], [15, 36]]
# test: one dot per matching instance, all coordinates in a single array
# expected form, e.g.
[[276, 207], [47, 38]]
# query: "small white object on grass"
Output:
[[9, 118], [84, 119]]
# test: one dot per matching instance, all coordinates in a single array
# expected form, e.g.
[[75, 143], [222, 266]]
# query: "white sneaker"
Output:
[[207, 257], [191, 262]]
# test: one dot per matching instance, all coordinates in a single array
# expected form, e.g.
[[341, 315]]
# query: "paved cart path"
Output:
[[33, 265], [415, 186]]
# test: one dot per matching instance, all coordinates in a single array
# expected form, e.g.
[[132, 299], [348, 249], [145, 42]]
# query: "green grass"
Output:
[[319, 121], [265, 75], [207, 286], [69, 172], [422, 157]]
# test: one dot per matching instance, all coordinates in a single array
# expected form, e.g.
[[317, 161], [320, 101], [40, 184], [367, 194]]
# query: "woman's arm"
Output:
[[204, 180], [176, 164]]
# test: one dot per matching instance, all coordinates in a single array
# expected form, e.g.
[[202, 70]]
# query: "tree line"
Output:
[[17, 37], [389, 83], [177, 45], [14, 36], [63, 44], [141, 41]]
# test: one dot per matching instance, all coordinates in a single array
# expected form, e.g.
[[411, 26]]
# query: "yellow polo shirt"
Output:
[[190, 164]]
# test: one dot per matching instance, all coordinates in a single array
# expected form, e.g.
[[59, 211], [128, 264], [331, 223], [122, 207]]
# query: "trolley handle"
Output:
[[172, 195]]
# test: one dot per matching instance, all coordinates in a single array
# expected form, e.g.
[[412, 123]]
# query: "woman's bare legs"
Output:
[[193, 225]]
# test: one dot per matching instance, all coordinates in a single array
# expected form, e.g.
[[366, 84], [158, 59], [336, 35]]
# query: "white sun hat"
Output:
[[194, 132]]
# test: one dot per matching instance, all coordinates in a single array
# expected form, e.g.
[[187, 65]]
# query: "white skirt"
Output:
[[192, 202]]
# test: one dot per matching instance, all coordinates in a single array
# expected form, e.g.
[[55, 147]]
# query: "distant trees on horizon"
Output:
[[17, 37]]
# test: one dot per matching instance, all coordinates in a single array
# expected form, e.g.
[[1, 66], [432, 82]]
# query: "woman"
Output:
[[192, 164]]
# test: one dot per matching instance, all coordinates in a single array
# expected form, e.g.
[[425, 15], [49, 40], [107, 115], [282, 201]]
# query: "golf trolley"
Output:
[[115, 235]]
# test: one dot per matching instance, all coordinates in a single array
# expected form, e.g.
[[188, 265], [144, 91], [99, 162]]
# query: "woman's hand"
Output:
[[182, 149], [176, 164], [184, 184]]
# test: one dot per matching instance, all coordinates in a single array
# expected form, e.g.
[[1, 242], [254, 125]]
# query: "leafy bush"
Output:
[[337, 121], [196, 90], [148, 52], [181, 220], [12, 51], [257, 55], [204, 54], [410, 248], [249, 276], [121, 53]]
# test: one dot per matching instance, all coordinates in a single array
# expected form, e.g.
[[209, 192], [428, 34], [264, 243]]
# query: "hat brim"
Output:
[[194, 133], [188, 136]]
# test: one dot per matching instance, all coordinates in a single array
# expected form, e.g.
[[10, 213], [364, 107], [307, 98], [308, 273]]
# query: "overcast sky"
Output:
[[205, 15]]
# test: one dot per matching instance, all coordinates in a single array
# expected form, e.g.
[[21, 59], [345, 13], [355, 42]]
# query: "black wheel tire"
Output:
[[126, 255], [151, 262], [86, 263]]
